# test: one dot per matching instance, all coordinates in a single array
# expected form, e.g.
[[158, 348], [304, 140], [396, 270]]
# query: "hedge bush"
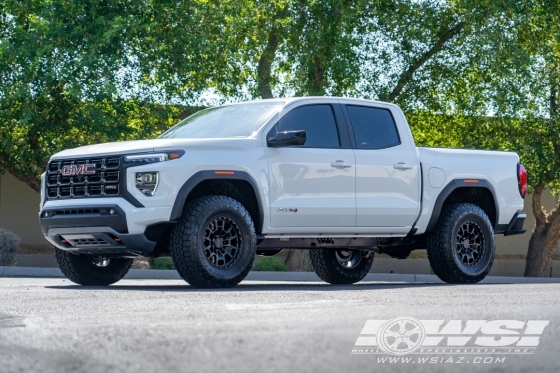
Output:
[[161, 263], [9, 243], [270, 264]]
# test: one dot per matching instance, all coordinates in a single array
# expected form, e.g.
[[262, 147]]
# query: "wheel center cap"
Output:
[[218, 242], [466, 244]]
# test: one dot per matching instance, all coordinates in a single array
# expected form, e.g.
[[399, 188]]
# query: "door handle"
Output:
[[402, 166], [341, 164]]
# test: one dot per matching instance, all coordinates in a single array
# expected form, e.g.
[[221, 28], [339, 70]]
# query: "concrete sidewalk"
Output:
[[157, 274]]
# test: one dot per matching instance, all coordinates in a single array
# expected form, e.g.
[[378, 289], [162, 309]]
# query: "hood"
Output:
[[144, 146]]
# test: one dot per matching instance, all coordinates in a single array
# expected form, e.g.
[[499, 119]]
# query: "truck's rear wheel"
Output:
[[91, 270], [461, 248], [337, 266], [214, 243]]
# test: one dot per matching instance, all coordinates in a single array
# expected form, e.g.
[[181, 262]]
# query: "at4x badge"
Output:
[[282, 209]]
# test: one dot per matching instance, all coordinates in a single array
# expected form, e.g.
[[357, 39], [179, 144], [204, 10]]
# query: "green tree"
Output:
[[541, 41], [505, 63], [517, 80], [68, 78]]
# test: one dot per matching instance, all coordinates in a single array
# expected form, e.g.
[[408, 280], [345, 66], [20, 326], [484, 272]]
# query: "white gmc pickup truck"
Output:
[[340, 177]]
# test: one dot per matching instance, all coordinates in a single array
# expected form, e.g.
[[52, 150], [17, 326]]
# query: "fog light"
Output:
[[146, 182], [111, 212]]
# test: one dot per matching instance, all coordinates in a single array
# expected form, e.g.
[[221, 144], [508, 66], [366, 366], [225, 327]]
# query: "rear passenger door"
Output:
[[313, 185], [387, 172]]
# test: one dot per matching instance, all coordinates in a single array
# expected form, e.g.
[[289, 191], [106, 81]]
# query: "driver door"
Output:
[[312, 185]]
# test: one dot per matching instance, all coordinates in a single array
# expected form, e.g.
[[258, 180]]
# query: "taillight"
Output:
[[522, 179]]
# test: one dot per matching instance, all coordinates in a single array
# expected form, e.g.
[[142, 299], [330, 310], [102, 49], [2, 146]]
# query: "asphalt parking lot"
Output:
[[52, 325]]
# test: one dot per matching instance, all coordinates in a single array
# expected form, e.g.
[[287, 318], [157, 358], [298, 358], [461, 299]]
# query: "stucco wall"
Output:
[[19, 206], [19, 209]]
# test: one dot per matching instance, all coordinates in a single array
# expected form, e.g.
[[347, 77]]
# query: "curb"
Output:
[[160, 274]]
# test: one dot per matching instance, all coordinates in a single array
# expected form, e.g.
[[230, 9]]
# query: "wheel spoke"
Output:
[[402, 326], [416, 330], [470, 244], [222, 242], [407, 341], [99, 261], [390, 333], [212, 228], [348, 258], [396, 343]]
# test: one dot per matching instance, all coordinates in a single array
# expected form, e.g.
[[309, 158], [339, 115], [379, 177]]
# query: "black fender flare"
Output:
[[200, 176], [449, 188]]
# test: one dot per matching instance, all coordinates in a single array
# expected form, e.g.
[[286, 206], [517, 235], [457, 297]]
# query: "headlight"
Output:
[[146, 182], [148, 158], [42, 189]]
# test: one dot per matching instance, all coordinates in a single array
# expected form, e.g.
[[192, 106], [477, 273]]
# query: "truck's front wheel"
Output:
[[341, 266], [461, 248], [91, 270], [214, 243]]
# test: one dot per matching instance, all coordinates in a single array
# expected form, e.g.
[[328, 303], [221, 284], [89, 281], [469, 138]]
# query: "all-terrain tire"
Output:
[[461, 248], [198, 242], [82, 269], [329, 268]]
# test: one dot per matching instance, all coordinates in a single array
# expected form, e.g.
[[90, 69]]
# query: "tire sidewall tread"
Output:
[[79, 269], [440, 244], [187, 254], [328, 268]]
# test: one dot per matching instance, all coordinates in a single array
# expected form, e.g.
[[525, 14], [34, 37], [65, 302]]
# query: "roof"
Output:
[[289, 100]]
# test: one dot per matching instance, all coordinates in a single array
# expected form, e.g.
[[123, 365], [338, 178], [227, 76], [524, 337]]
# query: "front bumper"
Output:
[[102, 241], [109, 215], [98, 230]]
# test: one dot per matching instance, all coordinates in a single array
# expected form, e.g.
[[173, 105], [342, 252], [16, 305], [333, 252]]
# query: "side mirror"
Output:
[[287, 138]]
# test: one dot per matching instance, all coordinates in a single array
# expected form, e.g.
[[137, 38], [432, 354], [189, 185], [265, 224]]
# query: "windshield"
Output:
[[224, 121]]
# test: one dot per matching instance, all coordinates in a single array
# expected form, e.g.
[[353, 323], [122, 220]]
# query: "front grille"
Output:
[[84, 177]]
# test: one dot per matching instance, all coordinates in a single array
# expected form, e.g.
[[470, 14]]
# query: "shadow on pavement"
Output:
[[244, 287]]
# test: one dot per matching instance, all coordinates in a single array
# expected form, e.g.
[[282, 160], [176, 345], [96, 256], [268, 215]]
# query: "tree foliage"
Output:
[[64, 82]]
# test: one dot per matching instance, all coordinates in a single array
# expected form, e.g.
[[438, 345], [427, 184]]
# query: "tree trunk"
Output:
[[541, 249], [316, 74], [264, 68], [546, 233], [297, 260], [33, 182], [544, 238], [265, 64], [321, 58]]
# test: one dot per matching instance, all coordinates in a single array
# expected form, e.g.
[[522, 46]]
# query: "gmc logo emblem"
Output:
[[79, 169]]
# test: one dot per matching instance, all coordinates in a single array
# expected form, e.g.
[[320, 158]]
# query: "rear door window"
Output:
[[374, 128]]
